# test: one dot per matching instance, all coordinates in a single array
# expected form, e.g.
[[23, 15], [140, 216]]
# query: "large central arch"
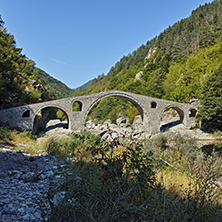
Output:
[[116, 94]]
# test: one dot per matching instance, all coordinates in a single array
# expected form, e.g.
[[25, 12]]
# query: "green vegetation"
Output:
[[139, 183], [56, 87], [115, 106], [181, 60], [20, 81], [210, 112], [20, 140], [166, 179], [13, 136]]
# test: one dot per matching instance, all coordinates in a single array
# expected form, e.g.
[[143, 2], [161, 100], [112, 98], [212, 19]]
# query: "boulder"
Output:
[[58, 198], [138, 123], [90, 124], [122, 121]]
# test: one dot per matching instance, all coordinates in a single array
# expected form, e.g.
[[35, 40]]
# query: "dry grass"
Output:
[[173, 181]]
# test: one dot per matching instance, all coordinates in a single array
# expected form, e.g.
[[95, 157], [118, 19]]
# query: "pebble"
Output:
[[24, 185]]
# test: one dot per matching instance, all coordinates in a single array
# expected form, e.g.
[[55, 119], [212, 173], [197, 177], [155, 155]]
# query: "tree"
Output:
[[1, 22], [155, 83], [210, 112]]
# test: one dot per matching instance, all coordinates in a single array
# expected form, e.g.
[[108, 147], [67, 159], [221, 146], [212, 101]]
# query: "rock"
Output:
[[30, 176], [107, 123], [150, 53], [90, 124], [138, 123], [122, 121], [58, 198], [138, 76], [53, 122], [23, 195], [195, 102]]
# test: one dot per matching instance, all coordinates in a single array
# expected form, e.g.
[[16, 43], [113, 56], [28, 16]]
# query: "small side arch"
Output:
[[192, 112], [26, 113], [153, 105], [76, 106]]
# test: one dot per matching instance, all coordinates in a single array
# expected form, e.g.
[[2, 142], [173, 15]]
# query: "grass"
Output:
[[218, 134], [132, 183], [166, 179], [21, 141]]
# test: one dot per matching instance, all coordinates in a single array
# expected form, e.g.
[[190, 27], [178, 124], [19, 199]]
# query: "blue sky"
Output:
[[76, 40]]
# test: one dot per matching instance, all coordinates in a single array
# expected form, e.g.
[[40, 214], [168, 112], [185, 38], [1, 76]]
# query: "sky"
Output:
[[76, 40]]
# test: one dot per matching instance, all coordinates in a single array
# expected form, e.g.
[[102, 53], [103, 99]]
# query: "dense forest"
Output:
[[21, 82], [175, 65]]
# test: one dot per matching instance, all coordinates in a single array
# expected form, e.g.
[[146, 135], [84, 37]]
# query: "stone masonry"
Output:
[[150, 109]]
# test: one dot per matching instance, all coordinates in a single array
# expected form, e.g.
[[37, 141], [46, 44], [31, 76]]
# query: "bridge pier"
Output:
[[151, 110], [77, 122]]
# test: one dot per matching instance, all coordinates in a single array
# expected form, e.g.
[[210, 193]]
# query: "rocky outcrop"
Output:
[[138, 76], [150, 53]]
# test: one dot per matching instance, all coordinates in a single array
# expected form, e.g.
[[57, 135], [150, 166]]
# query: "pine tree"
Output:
[[210, 112]]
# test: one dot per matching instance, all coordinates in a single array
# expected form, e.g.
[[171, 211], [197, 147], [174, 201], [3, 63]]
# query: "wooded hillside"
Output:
[[174, 65], [21, 82]]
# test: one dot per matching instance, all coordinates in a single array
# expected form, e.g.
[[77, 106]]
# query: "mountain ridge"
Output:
[[175, 65]]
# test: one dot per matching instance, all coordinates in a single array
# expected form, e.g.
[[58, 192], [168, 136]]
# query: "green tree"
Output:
[[1, 22], [155, 83], [210, 112]]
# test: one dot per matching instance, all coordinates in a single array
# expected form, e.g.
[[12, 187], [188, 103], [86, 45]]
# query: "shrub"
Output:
[[119, 184], [5, 134], [55, 146], [110, 188], [81, 144]]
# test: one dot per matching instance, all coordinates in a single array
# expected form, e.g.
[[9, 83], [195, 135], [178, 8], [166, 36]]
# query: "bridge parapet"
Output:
[[150, 109]]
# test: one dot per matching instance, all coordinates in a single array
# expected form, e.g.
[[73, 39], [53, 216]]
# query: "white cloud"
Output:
[[59, 62]]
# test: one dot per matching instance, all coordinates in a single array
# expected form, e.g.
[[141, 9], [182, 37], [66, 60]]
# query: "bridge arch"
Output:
[[128, 97], [26, 113], [179, 111], [192, 112], [51, 106], [153, 105], [76, 105]]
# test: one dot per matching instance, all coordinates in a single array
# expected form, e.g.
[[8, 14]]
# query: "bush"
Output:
[[5, 134], [119, 183], [110, 188], [55, 146], [81, 144]]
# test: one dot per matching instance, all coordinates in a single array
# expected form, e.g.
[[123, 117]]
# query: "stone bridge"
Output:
[[150, 109]]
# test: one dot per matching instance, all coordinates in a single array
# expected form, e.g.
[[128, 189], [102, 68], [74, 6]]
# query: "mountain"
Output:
[[56, 87], [84, 86], [174, 65]]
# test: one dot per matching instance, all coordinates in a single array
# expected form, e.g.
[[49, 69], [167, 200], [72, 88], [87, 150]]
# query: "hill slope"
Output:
[[56, 87], [174, 65], [21, 82]]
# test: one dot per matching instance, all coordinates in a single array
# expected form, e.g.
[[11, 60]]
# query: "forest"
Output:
[[177, 65]]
